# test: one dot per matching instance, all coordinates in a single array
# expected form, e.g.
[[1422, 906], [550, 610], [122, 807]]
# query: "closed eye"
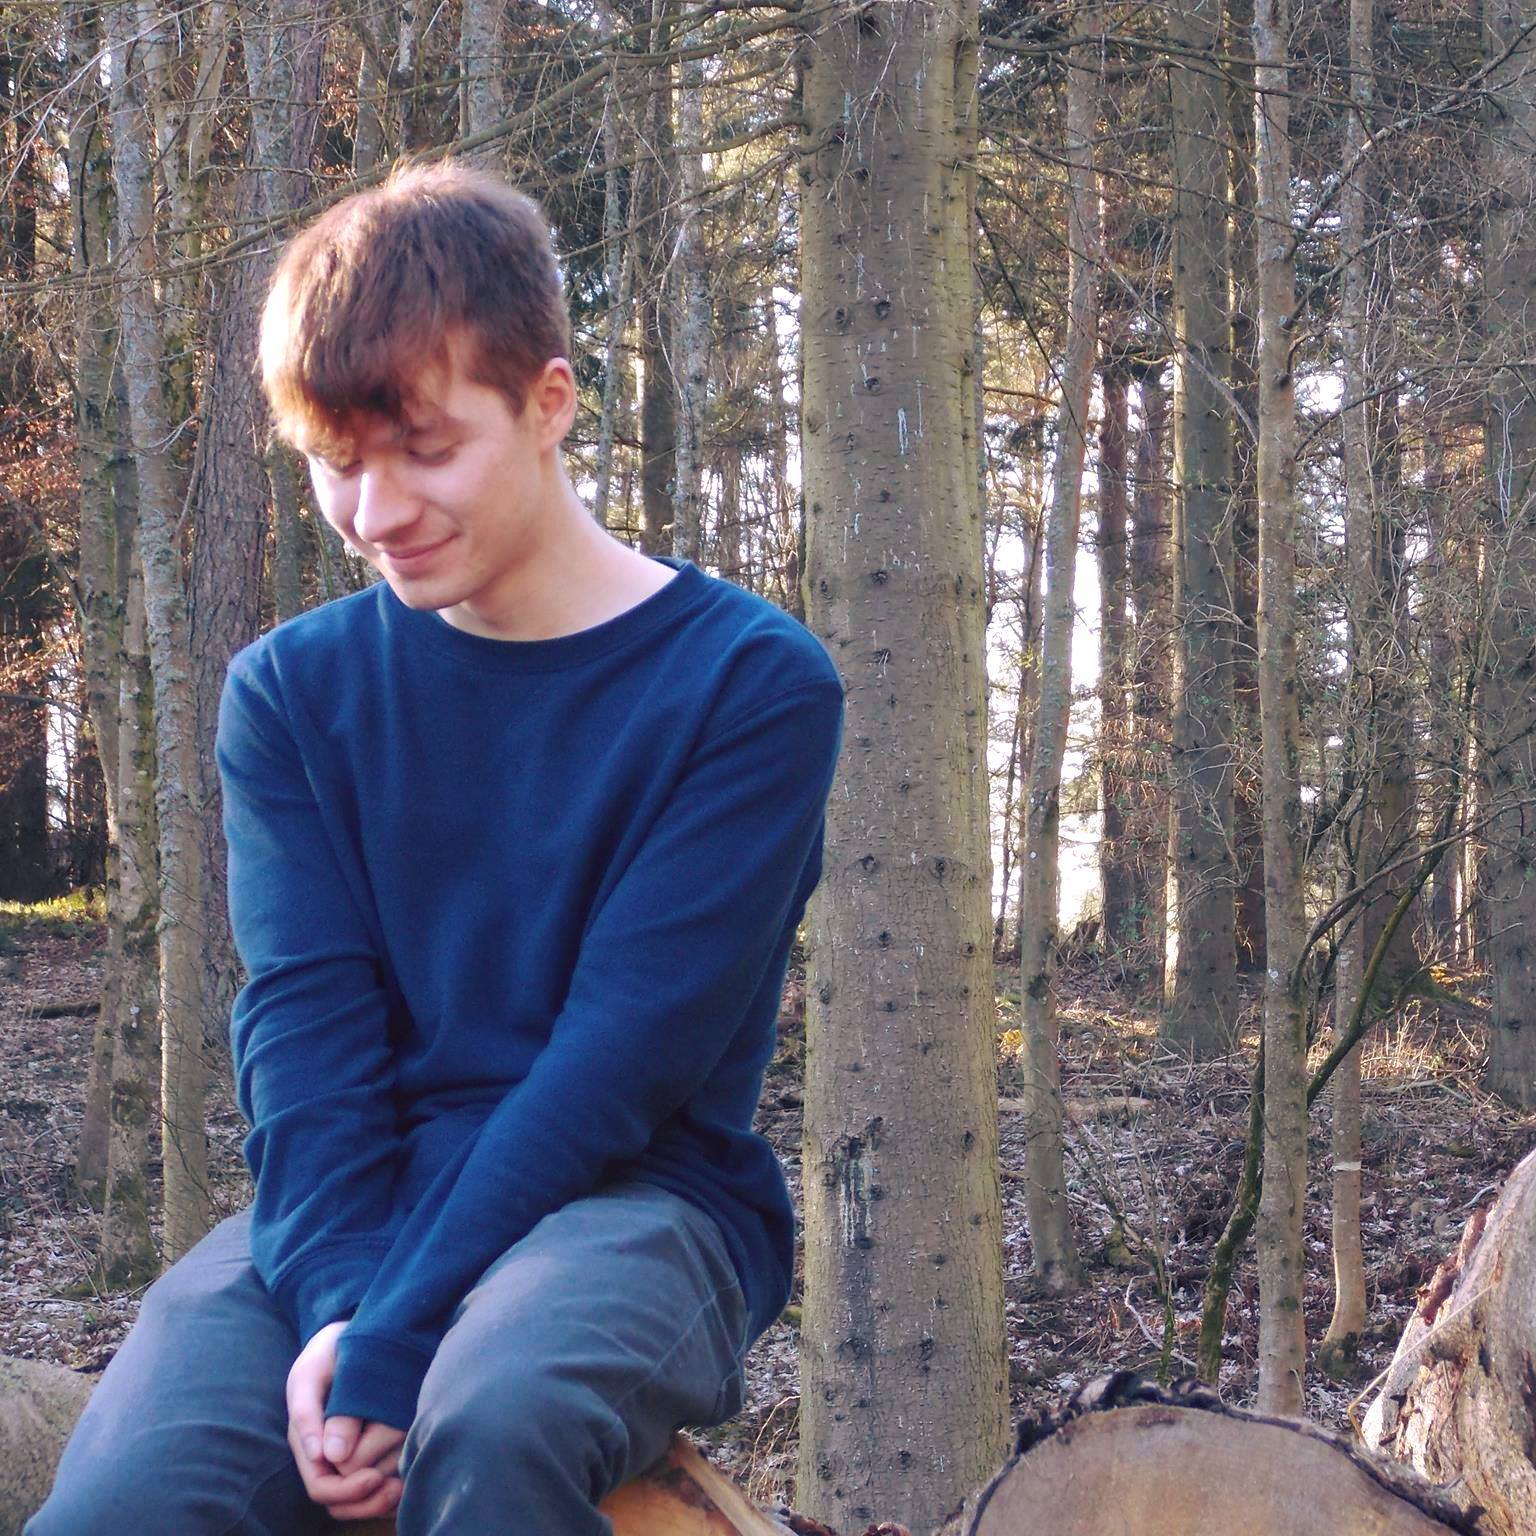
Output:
[[430, 456]]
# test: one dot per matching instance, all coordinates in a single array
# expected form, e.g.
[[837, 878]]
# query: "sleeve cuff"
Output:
[[328, 1287], [377, 1379]]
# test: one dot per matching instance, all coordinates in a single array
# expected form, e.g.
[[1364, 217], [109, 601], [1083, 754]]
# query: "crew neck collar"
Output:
[[681, 593]]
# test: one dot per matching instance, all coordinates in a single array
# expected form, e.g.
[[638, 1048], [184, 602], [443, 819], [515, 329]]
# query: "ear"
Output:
[[551, 402]]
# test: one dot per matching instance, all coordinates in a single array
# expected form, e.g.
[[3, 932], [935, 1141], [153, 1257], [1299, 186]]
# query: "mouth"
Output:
[[417, 554]]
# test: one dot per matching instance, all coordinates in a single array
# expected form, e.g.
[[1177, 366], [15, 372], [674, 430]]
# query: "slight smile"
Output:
[[404, 558]]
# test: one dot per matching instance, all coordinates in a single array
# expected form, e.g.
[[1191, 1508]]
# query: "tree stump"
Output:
[[1459, 1400], [1178, 1463]]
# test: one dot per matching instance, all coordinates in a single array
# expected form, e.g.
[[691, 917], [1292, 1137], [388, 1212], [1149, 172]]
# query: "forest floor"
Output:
[[1153, 1151]]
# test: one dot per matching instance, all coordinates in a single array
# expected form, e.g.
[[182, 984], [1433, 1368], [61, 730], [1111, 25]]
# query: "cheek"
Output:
[[337, 504]]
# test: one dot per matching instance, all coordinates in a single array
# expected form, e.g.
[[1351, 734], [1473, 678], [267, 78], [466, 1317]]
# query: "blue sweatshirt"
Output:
[[516, 917]]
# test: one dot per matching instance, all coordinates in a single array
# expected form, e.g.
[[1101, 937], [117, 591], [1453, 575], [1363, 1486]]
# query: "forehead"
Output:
[[432, 401]]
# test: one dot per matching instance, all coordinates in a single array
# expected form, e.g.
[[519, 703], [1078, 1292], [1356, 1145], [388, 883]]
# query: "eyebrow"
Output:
[[430, 428]]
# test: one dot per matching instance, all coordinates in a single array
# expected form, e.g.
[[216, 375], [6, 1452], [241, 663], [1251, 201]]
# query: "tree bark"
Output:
[[1050, 1227], [1509, 694], [651, 202], [903, 1359], [1152, 600], [183, 1073], [482, 73], [619, 275], [1123, 920], [127, 1256], [1282, 1266], [1378, 729], [1457, 1402], [102, 565], [1340, 1346], [694, 318], [1200, 971], [1248, 914], [229, 498]]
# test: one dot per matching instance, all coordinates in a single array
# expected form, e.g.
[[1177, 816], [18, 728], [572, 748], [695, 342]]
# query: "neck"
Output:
[[573, 576]]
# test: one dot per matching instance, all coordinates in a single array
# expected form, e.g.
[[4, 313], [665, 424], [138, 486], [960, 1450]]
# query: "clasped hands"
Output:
[[349, 1466]]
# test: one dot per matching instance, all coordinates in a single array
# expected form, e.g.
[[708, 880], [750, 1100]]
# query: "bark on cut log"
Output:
[[1459, 1400], [1178, 1463], [38, 1407]]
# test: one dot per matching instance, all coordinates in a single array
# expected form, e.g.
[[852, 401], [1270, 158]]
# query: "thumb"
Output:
[[341, 1438], [307, 1386]]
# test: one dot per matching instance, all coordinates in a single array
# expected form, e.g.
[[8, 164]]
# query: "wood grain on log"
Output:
[[1178, 1463], [1459, 1400]]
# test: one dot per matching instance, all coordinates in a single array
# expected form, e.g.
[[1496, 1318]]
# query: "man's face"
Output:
[[447, 503]]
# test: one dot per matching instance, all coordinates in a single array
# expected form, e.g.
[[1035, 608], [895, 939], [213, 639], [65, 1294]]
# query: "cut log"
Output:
[[682, 1495], [1459, 1400], [1178, 1463], [39, 1404]]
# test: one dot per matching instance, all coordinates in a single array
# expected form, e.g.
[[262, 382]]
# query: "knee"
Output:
[[108, 1503], [515, 1426], [145, 1485]]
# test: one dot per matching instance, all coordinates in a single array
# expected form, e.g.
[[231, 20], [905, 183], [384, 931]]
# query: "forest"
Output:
[[1138, 400]]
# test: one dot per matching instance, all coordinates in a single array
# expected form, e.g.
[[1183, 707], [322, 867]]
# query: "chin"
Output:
[[421, 595]]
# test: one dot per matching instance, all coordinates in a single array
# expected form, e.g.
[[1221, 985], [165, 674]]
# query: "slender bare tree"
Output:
[[1050, 1229], [161, 497], [1200, 974], [1282, 1269]]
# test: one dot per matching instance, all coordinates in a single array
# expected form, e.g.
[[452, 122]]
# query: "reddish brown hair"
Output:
[[374, 292]]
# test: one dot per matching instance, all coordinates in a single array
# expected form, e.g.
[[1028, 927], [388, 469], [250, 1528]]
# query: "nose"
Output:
[[384, 507]]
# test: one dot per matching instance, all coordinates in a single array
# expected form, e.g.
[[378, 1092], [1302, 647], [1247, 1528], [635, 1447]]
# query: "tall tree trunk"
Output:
[[482, 73], [101, 594], [229, 514], [652, 203], [1378, 730], [370, 136], [231, 486], [1509, 694], [1200, 971], [127, 1256], [693, 320], [619, 274], [1050, 1228], [1282, 1271], [284, 52], [183, 1073], [1123, 920], [1436, 573], [903, 1359], [1152, 599], [1248, 916]]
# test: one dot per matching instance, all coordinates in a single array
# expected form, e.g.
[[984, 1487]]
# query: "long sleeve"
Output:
[[311, 1029], [687, 932]]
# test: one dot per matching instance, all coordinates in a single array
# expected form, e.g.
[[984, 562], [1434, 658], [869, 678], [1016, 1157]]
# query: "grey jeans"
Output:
[[564, 1373]]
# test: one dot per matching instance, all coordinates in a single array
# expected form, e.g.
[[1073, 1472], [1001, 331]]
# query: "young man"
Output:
[[518, 841]]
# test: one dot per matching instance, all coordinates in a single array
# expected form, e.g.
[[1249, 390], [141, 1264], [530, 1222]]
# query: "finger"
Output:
[[375, 1440], [341, 1436], [306, 1406], [378, 1505], [389, 1463], [328, 1487]]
